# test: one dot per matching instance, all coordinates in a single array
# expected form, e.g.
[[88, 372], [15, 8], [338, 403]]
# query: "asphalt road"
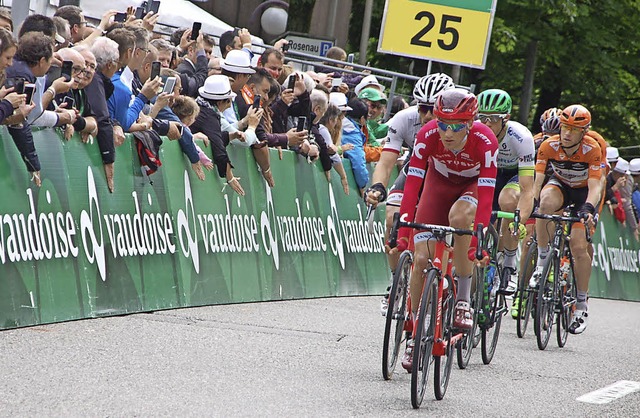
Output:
[[299, 358]]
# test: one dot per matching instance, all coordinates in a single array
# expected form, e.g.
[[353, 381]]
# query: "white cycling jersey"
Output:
[[403, 128], [517, 149]]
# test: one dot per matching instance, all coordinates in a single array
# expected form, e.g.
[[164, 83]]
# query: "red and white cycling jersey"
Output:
[[475, 162]]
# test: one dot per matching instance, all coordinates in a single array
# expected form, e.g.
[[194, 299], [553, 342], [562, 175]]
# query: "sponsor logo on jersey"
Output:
[[490, 159], [417, 150], [586, 148], [486, 181], [555, 145], [392, 130], [527, 158], [417, 172], [483, 137]]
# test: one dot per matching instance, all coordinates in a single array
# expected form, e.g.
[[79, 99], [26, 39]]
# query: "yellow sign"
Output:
[[451, 31]]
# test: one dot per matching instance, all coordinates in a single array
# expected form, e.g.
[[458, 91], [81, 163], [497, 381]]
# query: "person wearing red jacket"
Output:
[[458, 190]]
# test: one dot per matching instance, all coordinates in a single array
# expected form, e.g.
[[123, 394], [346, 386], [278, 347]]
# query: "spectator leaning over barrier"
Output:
[[187, 110], [9, 100], [98, 91], [319, 104], [376, 102], [620, 182], [215, 97], [352, 133], [85, 123], [194, 67], [331, 122], [163, 109], [289, 139], [236, 66], [292, 103], [256, 88], [275, 140]]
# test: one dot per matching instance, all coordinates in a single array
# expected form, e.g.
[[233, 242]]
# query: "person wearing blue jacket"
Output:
[[352, 133]]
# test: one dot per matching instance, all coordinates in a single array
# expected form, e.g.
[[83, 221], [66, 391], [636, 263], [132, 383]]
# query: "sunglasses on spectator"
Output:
[[455, 127], [425, 108], [376, 105], [491, 118]]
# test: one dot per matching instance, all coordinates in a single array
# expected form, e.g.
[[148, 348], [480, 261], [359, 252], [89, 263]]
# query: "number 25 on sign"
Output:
[[451, 31]]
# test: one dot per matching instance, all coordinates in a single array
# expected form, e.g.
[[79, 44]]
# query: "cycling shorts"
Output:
[[439, 195], [394, 197], [506, 179]]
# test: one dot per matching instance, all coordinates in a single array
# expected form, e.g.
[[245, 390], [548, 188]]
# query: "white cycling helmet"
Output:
[[428, 87]]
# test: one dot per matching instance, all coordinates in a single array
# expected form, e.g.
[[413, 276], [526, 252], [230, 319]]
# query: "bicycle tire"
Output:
[[465, 346], [442, 364], [543, 320], [491, 334], [524, 294], [396, 312], [568, 297], [423, 347]]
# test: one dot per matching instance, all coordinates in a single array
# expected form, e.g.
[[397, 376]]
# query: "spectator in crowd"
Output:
[[165, 51], [319, 104], [208, 43], [397, 104], [163, 110], [85, 122], [621, 184], [277, 109], [98, 92], [237, 39], [368, 82], [275, 140], [38, 23], [5, 19], [376, 102], [634, 170], [32, 61], [215, 66], [216, 96], [194, 67], [352, 133], [63, 33], [273, 61], [9, 100], [331, 122], [339, 54], [77, 22], [187, 110], [292, 103], [236, 66]]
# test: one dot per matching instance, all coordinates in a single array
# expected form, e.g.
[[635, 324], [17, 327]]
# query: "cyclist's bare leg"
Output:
[[551, 199], [581, 259], [421, 254], [461, 216], [394, 256], [508, 201]]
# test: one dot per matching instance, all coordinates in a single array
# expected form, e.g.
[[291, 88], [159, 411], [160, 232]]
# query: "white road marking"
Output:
[[610, 393]]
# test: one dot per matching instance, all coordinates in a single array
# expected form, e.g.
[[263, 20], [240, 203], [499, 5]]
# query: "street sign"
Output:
[[309, 45], [450, 31]]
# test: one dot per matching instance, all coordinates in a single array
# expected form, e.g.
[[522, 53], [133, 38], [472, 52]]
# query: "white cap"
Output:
[[634, 167], [340, 100], [368, 81], [622, 166], [612, 154]]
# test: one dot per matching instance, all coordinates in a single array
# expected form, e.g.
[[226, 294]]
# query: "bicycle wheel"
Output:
[[524, 295], [394, 333], [490, 334], [423, 347], [568, 296], [543, 320], [465, 346], [442, 364]]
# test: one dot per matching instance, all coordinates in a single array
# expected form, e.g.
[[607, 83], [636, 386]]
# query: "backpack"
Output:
[[148, 147]]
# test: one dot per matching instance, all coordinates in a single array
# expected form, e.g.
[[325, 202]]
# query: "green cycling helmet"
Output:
[[494, 101]]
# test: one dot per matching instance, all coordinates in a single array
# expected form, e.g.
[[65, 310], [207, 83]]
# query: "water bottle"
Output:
[[564, 270], [491, 284]]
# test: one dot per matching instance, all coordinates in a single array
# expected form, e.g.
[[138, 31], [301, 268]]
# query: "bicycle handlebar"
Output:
[[515, 215], [560, 218], [397, 224]]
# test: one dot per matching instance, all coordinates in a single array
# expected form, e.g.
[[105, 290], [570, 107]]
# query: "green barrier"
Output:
[[71, 250], [616, 261]]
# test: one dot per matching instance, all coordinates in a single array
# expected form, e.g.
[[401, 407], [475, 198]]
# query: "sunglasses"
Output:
[[455, 127], [570, 129], [425, 108], [491, 118]]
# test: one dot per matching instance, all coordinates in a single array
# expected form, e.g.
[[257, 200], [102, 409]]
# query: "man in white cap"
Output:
[[339, 100], [369, 81], [612, 156], [237, 66]]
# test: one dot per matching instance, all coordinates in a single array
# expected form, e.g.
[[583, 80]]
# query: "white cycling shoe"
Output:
[[579, 322]]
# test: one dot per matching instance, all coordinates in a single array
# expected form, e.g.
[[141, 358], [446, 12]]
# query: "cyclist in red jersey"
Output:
[[458, 190]]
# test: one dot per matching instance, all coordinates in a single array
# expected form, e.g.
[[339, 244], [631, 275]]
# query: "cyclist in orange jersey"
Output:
[[576, 160]]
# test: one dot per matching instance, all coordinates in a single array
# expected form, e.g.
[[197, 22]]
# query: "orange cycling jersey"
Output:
[[574, 170], [603, 150]]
